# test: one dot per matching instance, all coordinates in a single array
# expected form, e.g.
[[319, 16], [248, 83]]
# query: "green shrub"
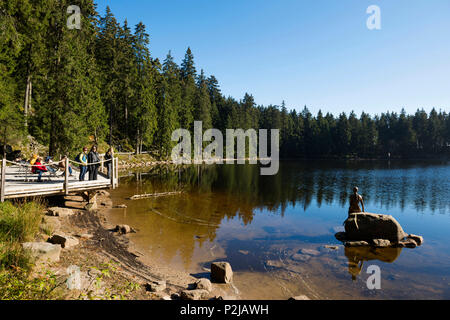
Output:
[[16, 284], [18, 223]]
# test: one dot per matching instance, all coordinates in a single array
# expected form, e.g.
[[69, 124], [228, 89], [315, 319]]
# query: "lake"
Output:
[[277, 232]]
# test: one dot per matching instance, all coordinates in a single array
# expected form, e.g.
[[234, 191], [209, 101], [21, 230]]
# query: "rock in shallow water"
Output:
[[381, 243], [417, 239], [310, 252], [367, 226], [300, 257], [356, 243], [221, 272]]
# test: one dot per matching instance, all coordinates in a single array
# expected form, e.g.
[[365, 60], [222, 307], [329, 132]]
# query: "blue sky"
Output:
[[316, 53]]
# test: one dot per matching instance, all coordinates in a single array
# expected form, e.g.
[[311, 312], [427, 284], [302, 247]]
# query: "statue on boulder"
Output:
[[371, 229], [355, 200]]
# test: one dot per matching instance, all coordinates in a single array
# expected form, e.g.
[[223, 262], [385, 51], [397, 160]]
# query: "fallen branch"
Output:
[[151, 195]]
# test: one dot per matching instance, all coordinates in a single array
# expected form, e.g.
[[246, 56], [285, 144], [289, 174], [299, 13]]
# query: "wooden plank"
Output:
[[117, 173], [66, 177], [112, 172]]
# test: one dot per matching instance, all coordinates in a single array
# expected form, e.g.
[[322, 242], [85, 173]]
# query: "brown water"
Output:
[[263, 224]]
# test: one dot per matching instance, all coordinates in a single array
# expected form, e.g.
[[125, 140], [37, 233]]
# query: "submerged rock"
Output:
[[368, 226], [300, 257], [310, 252]]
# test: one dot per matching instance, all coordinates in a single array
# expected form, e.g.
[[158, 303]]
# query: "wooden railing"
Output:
[[67, 185]]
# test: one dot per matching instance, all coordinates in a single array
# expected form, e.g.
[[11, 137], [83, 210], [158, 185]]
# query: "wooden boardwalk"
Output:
[[17, 181]]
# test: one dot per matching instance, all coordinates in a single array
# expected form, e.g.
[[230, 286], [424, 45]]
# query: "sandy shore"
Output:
[[110, 267]]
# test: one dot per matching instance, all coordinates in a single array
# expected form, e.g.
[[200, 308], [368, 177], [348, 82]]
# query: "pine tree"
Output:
[[187, 74], [202, 111], [11, 122], [71, 110]]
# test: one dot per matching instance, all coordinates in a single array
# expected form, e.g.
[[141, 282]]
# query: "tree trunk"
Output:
[[27, 99], [137, 142]]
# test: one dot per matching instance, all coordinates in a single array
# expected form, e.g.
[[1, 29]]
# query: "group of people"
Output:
[[88, 162]]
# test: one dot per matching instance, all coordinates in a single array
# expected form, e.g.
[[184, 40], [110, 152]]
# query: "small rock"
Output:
[[123, 229], [64, 240], [331, 247], [120, 206], [160, 296], [50, 224], [381, 243], [274, 263], [356, 243], [221, 272], [91, 207], [310, 252], [204, 284], [60, 212], [156, 286], [302, 297], [43, 251], [416, 238], [244, 252], [408, 243], [175, 296], [104, 193], [197, 294]]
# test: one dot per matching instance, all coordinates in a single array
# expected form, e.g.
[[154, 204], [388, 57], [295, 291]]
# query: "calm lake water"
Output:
[[263, 224]]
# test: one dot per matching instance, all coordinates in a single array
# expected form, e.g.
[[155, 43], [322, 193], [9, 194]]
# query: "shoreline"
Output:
[[109, 263], [124, 164]]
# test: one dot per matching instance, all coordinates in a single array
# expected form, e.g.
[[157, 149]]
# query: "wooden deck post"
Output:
[[117, 172], [112, 173], [3, 181], [102, 168], [66, 177]]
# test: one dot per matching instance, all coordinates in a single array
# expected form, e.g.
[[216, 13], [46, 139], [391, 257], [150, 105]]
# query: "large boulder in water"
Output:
[[364, 226]]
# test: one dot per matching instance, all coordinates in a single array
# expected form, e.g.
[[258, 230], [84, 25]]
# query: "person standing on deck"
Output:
[[108, 159], [355, 200], [83, 158], [94, 163]]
